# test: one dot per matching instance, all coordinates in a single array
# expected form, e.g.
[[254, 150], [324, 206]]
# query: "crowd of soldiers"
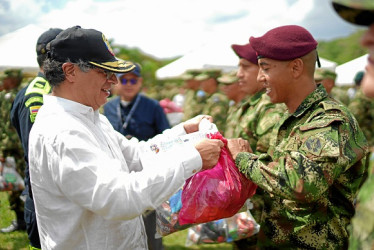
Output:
[[231, 113]]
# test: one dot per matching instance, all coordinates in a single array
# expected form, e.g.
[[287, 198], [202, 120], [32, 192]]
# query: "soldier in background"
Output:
[[214, 102], [11, 145], [357, 81], [254, 121], [362, 107], [327, 78], [315, 163], [229, 85], [191, 108], [361, 12]]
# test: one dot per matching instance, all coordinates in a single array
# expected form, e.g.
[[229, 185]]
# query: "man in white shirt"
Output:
[[90, 184]]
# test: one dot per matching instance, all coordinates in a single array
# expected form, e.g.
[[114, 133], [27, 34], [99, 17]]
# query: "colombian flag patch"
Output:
[[34, 109], [33, 112]]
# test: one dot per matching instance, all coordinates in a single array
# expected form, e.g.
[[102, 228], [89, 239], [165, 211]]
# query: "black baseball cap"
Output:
[[88, 45], [45, 38]]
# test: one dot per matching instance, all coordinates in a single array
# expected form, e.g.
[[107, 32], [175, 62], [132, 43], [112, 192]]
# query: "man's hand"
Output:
[[209, 150], [192, 125], [235, 146]]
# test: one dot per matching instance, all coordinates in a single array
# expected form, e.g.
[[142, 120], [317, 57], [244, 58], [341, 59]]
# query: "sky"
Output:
[[170, 28]]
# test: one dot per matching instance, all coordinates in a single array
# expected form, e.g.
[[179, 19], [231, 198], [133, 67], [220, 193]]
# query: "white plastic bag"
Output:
[[241, 225]]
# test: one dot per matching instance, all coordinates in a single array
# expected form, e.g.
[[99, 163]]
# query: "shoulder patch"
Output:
[[38, 86], [332, 105], [34, 100], [33, 112], [321, 123]]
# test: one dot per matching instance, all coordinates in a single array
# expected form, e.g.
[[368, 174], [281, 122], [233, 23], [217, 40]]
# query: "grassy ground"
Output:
[[19, 241]]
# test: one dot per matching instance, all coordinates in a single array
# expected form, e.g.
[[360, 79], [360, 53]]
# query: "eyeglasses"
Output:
[[132, 81], [108, 74]]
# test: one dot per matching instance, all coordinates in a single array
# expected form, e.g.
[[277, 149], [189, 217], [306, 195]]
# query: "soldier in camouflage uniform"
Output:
[[327, 78], [191, 106], [315, 162], [229, 85], [254, 121], [11, 145], [361, 12], [362, 107], [214, 102]]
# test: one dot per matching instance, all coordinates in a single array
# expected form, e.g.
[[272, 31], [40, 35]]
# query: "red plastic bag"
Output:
[[215, 193]]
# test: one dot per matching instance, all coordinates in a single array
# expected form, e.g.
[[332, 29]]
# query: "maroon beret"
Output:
[[245, 51], [284, 43]]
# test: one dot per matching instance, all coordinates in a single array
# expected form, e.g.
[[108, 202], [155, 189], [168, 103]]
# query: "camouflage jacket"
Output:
[[340, 95], [311, 175], [254, 121], [259, 115], [362, 227], [217, 106], [362, 108], [191, 106], [233, 119]]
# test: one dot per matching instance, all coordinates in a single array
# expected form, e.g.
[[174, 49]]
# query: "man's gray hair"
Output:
[[54, 73]]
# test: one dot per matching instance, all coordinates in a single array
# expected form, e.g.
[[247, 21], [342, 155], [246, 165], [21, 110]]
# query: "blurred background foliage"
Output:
[[342, 50]]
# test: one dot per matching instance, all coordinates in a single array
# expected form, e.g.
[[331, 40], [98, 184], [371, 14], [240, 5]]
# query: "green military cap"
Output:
[[228, 78], [190, 74], [359, 12], [208, 73], [324, 73], [185, 76], [358, 77]]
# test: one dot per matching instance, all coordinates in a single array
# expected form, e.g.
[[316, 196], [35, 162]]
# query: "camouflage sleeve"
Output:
[[303, 170], [363, 110], [361, 229]]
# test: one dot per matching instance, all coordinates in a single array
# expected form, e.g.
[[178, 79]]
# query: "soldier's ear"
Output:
[[297, 67]]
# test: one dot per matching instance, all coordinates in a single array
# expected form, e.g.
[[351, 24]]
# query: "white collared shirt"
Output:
[[88, 181]]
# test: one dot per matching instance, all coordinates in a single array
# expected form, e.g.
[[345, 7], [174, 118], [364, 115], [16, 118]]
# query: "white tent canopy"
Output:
[[327, 64], [17, 49], [217, 55], [347, 71]]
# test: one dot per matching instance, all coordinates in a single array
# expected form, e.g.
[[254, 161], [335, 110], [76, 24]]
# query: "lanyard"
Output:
[[132, 110]]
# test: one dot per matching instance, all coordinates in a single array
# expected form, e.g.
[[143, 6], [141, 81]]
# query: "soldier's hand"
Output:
[[192, 125], [235, 146], [209, 150]]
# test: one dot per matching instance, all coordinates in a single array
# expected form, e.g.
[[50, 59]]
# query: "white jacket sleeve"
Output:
[[105, 185]]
